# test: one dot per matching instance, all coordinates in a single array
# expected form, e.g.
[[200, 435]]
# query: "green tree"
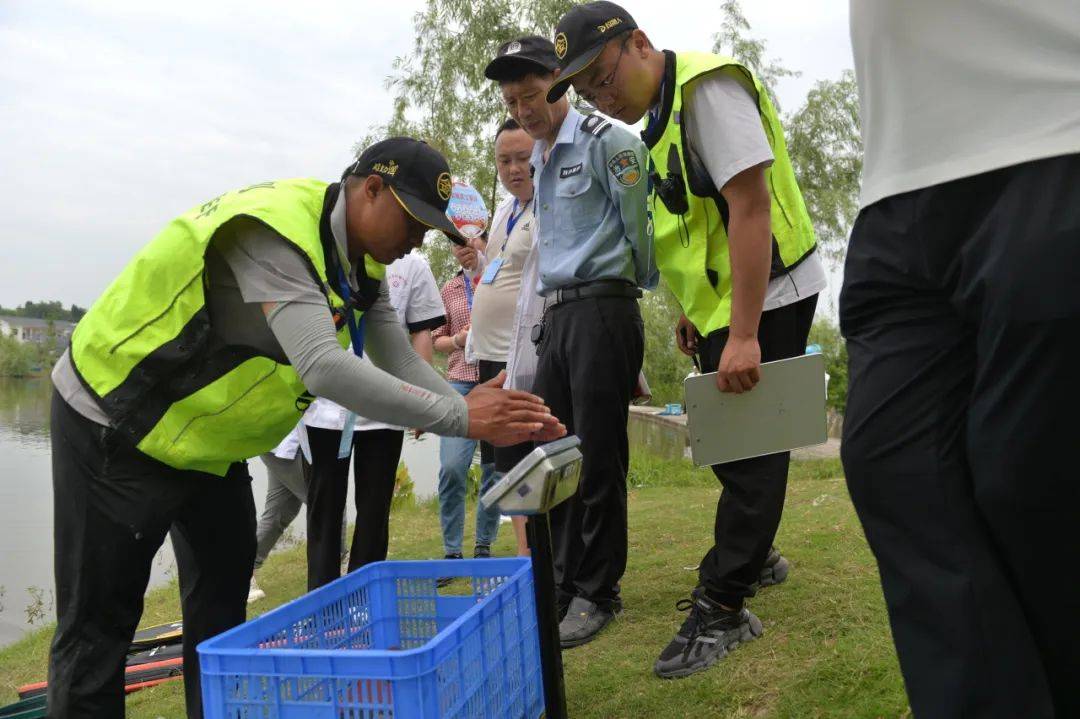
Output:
[[826, 151], [16, 359], [826, 334], [440, 92], [734, 40], [52, 310], [665, 366], [46, 310], [822, 135]]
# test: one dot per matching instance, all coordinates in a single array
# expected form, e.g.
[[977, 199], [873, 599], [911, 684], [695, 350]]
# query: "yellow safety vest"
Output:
[[691, 243], [146, 352]]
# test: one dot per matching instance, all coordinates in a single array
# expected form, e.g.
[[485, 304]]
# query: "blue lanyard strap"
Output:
[[512, 220], [468, 290], [356, 330]]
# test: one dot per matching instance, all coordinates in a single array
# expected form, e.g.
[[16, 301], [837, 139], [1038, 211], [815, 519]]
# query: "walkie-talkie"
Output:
[[672, 189]]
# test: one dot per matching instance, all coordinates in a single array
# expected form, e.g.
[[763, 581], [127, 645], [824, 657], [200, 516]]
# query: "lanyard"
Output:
[[512, 220], [356, 330], [468, 290]]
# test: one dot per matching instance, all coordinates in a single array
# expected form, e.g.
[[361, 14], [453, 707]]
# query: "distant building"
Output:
[[29, 329]]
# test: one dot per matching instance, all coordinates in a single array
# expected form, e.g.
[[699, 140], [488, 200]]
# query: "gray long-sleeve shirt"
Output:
[[247, 265]]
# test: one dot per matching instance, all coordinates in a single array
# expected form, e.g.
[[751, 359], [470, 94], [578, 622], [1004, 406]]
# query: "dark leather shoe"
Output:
[[583, 621], [775, 570]]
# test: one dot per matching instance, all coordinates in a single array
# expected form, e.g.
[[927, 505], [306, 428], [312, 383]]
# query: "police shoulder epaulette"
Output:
[[595, 125]]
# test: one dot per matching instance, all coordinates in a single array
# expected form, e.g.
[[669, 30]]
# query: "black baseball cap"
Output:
[[417, 175], [531, 53], [580, 37]]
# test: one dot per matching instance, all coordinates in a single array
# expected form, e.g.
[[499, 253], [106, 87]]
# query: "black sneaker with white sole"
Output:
[[775, 570], [707, 636]]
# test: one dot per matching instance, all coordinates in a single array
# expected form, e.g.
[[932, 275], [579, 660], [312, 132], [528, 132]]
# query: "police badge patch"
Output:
[[624, 167]]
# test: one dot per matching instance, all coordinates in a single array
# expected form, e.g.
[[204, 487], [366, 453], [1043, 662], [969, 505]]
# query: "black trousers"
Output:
[[961, 309], [113, 506], [590, 356], [504, 458], [376, 454], [748, 511]]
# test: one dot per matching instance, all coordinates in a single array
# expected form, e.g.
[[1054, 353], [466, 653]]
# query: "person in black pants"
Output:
[[113, 506], [376, 447], [962, 318], [504, 458], [590, 356], [748, 511], [961, 311], [375, 460]]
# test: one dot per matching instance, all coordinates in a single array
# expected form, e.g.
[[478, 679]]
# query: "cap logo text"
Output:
[[512, 48], [388, 168], [444, 186], [609, 24], [560, 45]]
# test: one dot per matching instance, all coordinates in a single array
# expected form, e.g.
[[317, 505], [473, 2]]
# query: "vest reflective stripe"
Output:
[[146, 351], [692, 246]]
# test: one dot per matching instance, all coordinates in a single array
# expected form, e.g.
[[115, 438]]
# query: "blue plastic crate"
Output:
[[385, 643]]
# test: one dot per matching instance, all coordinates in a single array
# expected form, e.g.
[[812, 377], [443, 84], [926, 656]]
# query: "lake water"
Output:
[[26, 579]]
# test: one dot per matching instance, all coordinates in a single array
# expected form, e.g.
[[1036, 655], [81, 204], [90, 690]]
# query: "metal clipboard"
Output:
[[785, 411]]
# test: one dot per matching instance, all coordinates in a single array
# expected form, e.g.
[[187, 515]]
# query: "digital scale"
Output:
[[546, 477], [541, 480]]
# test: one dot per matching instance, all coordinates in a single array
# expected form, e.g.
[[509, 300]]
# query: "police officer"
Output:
[[735, 244], [595, 253], [204, 351]]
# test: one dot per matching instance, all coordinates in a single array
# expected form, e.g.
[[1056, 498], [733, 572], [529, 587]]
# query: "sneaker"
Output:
[[583, 621], [775, 570], [254, 592], [444, 581], [481, 552], [707, 636]]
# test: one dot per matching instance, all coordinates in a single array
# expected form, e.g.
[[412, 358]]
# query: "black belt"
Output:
[[599, 288]]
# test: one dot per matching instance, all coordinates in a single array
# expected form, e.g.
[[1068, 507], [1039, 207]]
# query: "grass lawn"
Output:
[[826, 651]]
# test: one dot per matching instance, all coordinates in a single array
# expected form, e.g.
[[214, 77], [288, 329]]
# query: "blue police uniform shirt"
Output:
[[592, 220]]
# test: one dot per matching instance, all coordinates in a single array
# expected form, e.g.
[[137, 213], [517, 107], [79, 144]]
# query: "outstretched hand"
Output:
[[507, 417]]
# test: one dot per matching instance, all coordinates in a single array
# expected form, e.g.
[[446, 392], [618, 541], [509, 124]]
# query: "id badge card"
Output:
[[492, 271], [345, 446]]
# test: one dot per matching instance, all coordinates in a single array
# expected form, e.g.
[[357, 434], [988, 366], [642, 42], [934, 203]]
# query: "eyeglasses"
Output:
[[590, 97]]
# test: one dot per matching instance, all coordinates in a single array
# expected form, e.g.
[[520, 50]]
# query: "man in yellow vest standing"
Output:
[[206, 350], [734, 242]]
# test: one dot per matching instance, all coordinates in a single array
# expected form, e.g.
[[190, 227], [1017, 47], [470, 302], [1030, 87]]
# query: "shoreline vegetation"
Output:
[[826, 651]]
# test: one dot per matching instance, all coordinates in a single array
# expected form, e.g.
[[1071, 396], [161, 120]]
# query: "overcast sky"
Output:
[[117, 115]]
